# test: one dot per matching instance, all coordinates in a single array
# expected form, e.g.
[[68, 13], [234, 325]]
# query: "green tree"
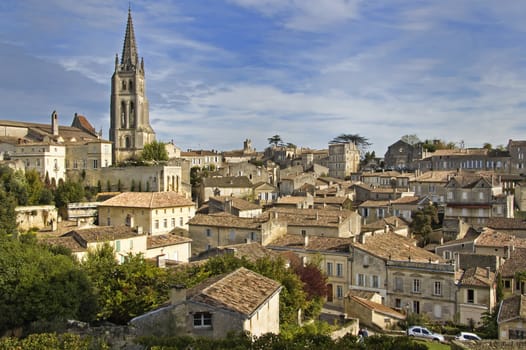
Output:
[[68, 192], [154, 151], [425, 220], [275, 140], [38, 285], [125, 290], [8, 224]]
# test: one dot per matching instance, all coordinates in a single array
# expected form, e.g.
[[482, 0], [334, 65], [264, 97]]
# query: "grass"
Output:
[[435, 345]]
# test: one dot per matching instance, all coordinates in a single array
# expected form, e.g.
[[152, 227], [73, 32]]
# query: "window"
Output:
[[208, 233], [202, 320], [447, 254], [416, 286], [181, 221], [173, 222], [464, 195], [471, 296], [117, 246], [365, 260], [398, 303], [165, 223], [329, 269], [252, 236], [375, 281], [450, 195], [339, 270], [437, 290], [481, 195], [399, 284], [156, 224], [95, 163], [339, 292], [361, 279], [416, 306]]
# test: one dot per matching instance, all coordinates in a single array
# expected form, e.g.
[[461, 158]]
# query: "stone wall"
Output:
[[489, 345]]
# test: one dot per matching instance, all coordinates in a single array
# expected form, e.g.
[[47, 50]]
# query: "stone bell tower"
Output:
[[130, 126]]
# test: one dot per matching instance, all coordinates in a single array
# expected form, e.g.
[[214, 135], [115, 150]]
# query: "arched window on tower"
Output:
[[123, 114], [131, 85], [124, 85], [132, 115], [127, 142]]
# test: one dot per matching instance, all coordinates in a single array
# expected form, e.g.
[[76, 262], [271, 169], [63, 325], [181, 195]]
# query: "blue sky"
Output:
[[221, 71]]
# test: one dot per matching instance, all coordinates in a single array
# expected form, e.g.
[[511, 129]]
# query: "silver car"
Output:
[[423, 332], [467, 336]]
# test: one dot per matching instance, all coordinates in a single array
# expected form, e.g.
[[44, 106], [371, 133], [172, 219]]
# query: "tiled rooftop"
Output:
[[224, 220], [391, 246], [516, 262], [227, 182], [512, 308], [380, 308], [506, 223], [494, 238], [157, 241], [316, 243], [149, 200], [322, 217], [242, 291], [237, 203], [477, 277], [103, 233], [68, 242]]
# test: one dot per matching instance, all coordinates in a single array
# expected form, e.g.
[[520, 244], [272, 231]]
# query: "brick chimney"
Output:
[[54, 123]]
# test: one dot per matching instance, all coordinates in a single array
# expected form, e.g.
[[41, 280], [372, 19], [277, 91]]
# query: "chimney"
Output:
[[362, 238], [54, 123], [177, 294], [488, 271], [339, 219], [139, 230]]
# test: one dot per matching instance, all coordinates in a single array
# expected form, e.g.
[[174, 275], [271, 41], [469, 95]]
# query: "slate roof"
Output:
[[315, 243], [148, 200], [512, 308], [158, 241], [242, 291], [227, 220], [227, 182], [390, 246], [477, 277]]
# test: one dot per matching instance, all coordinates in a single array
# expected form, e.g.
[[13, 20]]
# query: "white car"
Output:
[[467, 336], [423, 332]]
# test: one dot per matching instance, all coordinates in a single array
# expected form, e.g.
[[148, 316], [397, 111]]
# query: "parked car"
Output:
[[467, 336], [423, 332]]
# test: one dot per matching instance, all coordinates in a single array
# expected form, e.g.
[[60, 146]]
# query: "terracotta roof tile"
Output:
[[237, 203], [315, 243], [157, 241], [224, 220], [102, 233], [477, 277], [506, 223], [512, 308], [321, 217], [493, 238], [515, 263], [150, 200], [68, 242], [242, 291], [380, 308], [395, 247]]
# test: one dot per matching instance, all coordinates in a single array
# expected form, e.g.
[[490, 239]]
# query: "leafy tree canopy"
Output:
[[425, 220], [275, 140], [38, 285], [154, 151], [362, 143], [125, 290]]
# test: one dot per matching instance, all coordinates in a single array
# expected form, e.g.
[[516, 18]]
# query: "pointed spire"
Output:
[[129, 51]]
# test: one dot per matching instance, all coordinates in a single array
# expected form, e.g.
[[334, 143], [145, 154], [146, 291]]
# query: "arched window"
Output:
[[132, 115], [124, 85], [123, 114], [131, 85], [127, 142]]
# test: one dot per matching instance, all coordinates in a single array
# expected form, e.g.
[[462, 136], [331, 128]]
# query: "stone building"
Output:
[[476, 294], [344, 159], [130, 126], [241, 301], [401, 155], [155, 212]]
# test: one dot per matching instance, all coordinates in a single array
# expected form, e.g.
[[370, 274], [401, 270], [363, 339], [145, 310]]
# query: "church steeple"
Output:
[[129, 58], [130, 127]]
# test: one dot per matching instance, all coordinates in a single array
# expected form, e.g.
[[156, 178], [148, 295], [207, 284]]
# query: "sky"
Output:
[[221, 71]]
